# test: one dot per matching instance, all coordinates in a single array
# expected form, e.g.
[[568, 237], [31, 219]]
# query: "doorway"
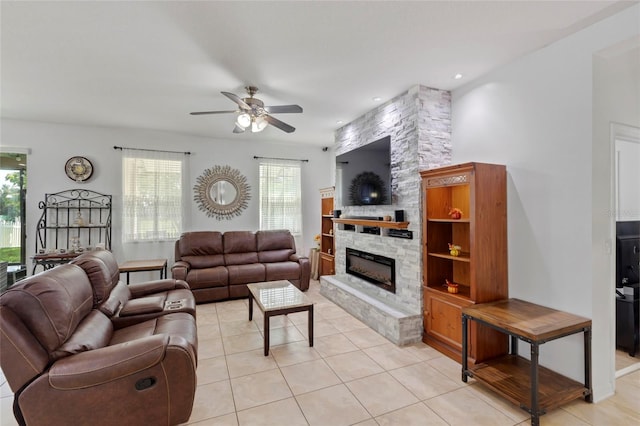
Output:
[[13, 184], [626, 147]]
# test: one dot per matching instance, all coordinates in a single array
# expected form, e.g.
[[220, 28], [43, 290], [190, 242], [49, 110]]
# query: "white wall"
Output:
[[52, 144], [536, 116]]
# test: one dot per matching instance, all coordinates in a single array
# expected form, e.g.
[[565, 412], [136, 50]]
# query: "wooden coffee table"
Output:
[[278, 298]]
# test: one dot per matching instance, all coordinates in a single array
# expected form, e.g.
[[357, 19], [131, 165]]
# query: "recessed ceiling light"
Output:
[[377, 99], [457, 76]]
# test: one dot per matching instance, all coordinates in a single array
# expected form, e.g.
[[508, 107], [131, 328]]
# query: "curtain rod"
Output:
[[276, 158], [152, 150]]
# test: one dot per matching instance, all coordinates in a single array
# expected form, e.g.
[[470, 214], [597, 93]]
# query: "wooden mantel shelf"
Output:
[[368, 222]]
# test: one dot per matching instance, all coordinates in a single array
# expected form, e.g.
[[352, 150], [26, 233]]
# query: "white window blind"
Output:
[[280, 195], [152, 190]]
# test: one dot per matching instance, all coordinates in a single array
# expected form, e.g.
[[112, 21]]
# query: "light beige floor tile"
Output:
[[561, 417], [285, 412], [212, 370], [234, 315], [624, 360], [6, 412], [299, 318], [333, 345], [233, 328], [206, 406], [309, 376], [226, 420], [208, 331], [369, 422], [462, 408], [250, 362], [381, 393], [390, 356], [608, 412], [259, 388], [335, 406], [328, 311], [353, 365], [321, 328], [284, 335], [449, 367], [365, 338], [278, 321], [294, 353], [423, 380], [422, 351], [509, 409], [417, 414], [210, 348], [233, 305], [346, 323], [242, 342]]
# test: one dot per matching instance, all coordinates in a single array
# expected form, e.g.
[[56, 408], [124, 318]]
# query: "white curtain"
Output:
[[280, 195], [153, 184]]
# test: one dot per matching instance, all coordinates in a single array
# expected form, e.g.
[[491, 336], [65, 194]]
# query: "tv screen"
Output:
[[364, 174]]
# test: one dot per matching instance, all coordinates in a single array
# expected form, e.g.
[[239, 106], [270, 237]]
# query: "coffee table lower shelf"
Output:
[[510, 376]]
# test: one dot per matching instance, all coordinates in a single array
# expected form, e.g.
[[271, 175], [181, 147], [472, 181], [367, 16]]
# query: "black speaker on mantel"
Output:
[[337, 213], [399, 215]]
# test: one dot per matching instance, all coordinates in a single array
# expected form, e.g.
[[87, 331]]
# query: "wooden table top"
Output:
[[143, 265], [535, 322]]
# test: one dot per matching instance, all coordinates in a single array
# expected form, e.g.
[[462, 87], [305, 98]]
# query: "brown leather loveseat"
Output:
[[219, 266], [67, 363]]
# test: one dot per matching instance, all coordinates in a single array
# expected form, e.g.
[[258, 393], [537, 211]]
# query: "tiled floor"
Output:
[[352, 376]]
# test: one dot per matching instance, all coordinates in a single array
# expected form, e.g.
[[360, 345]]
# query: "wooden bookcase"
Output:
[[480, 269], [327, 245]]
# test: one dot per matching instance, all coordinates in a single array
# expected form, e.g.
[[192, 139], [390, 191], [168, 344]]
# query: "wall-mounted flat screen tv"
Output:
[[363, 175]]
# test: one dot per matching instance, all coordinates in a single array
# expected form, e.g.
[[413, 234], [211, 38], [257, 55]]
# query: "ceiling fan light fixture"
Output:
[[258, 124], [244, 120]]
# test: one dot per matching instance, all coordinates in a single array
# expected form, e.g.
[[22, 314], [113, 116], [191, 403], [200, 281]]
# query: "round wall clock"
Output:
[[78, 169]]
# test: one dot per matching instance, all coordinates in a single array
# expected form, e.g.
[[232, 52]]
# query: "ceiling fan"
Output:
[[253, 115]]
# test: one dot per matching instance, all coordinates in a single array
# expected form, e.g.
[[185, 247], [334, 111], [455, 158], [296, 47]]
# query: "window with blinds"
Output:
[[280, 195], [152, 195]]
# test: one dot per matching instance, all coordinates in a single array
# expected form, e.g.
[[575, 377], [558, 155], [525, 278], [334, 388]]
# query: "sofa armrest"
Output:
[[98, 366], [305, 270], [180, 269], [156, 286]]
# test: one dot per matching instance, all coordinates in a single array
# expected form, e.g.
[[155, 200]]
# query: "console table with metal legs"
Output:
[[534, 388]]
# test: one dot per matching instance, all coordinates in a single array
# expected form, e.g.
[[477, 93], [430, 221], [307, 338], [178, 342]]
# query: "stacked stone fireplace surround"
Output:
[[419, 124]]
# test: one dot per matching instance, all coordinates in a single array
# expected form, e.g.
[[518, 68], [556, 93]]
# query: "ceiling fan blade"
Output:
[[236, 99], [283, 109], [238, 129], [212, 112], [279, 124]]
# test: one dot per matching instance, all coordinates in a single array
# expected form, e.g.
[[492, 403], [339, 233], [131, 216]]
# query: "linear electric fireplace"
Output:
[[376, 269]]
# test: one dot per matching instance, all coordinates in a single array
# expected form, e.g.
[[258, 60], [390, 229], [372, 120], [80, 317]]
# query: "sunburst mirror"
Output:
[[222, 192]]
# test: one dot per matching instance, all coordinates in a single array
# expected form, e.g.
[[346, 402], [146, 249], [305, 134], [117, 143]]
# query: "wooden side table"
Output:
[[535, 389], [144, 265]]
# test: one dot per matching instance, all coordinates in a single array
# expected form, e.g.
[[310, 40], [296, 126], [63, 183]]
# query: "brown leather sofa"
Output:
[[67, 364], [130, 304], [219, 266]]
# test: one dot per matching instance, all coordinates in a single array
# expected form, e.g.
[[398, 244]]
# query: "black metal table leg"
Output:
[[464, 348], [535, 412], [266, 333], [587, 365], [310, 320], [250, 306], [514, 345]]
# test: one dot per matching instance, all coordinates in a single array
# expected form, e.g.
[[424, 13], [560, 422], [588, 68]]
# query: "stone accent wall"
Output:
[[419, 123]]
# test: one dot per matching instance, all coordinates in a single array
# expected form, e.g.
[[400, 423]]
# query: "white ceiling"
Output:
[[148, 64]]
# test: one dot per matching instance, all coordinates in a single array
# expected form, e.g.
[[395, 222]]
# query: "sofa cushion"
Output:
[[92, 333], [208, 277], [239, 248], [282, 271], [52, 305], [244, 274], [102, 269], [274, 246], [201, 249]]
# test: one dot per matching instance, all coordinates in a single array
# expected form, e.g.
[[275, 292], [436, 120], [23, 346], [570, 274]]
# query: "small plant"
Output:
[[455, 213]]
